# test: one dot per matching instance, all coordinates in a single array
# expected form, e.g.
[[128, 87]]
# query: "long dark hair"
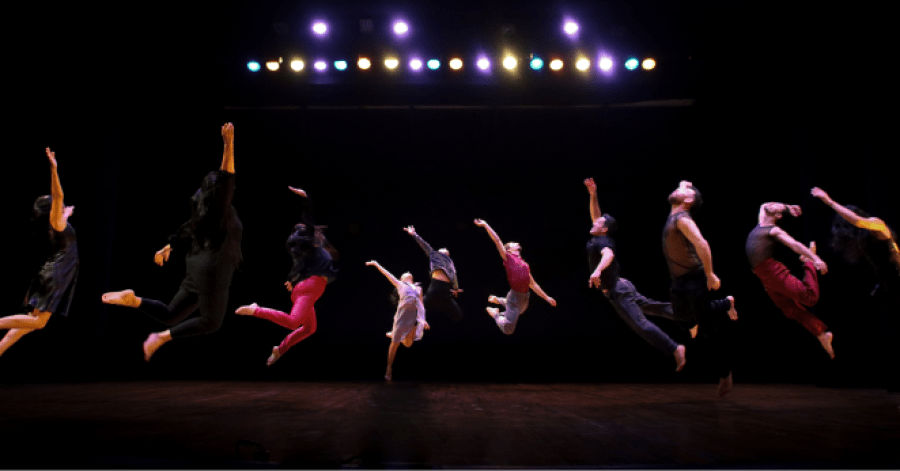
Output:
[[203, 222], [302, 241], [851, 241]]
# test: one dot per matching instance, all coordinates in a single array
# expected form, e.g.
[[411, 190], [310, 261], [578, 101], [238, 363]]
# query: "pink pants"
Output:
[[302, 319], [791, 294]]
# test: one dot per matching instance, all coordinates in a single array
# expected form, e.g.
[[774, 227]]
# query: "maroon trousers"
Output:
[[791, 294]]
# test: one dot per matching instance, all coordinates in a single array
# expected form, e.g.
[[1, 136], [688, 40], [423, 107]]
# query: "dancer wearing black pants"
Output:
[[212, 242], [444, 286], [52, 289], [690, 266]]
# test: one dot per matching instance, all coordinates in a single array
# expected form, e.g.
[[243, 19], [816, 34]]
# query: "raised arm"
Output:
[[494, 236], [595, 204], [690, 230], [537, 289], [873, 224], [412, 231], [307, 215], [394, 281], [57, 207], [799, 248], [228, 152]]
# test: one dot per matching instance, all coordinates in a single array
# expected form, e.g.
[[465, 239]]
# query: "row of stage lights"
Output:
[[605, 64], [401, 28]]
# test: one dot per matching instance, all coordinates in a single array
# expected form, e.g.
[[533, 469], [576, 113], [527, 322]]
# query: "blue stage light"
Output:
[[434, 64], [631, 64], [253, 66], [537, 63], [340, 65]]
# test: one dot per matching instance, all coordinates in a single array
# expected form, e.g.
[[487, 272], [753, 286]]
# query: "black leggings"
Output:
[[691, 302], [440, 298], [212, 311]]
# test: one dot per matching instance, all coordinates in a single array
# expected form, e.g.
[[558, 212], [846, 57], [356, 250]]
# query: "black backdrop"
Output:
[[133, 142]]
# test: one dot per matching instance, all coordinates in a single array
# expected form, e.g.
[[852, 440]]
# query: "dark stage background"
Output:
[[133, 109]]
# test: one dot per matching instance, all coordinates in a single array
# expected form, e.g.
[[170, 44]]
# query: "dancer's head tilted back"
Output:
[[772, 212], [688, 195], [513, 247], [604, 225]]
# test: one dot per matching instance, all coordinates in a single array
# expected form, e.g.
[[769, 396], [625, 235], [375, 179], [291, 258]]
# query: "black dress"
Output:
[[52, 288]]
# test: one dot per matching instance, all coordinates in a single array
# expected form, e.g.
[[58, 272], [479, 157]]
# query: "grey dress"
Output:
[[410, 312]]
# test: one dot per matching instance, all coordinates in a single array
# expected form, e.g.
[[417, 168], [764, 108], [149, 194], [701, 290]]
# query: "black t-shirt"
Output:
[[595, 248]]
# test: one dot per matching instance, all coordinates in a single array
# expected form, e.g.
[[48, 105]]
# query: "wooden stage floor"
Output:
[[404, 424]]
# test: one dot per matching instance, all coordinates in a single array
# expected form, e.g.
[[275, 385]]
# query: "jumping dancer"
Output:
[[690, 266], [409, 321], [630, 305], [313, 269], [520, 283], [444, 286], [787, 292], [211, 240], [52, 288]]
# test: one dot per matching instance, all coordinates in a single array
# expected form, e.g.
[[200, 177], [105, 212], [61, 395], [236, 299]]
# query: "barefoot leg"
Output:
[[121, 298], [247, 310], [825, 339], [679, 358], [276, 354], [154, 341], [725, 385]]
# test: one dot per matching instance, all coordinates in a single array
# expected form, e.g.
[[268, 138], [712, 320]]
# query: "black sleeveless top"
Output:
[[760, 245], [681, 256], [882, 255]]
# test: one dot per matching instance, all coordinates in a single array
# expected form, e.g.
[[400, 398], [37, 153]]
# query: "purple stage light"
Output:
[[320, 65], [483, 63], [320, 28], [415, 64], [401, 28], [570, 27]]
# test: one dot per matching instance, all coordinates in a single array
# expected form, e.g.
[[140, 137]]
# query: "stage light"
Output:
[[401, 28], [364, 63], [456, 64], [415, 64], [320, 65], [556, 64], [537, 63], [648, 64], [320, 28], [483, 63], [272, 65], [340, 65], [434, 64], [583, 64], [297, 65], [631, 64], [570, 28], [606, 64], [510, 63], [253, 66], [391, 63]]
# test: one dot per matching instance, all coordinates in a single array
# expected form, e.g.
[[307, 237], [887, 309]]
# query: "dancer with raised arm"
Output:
[[631, 306], [690, 266], [790, 294], [313, 269], [52, 288], [444, 286], [520, 280], [211, 240], [409, 321]]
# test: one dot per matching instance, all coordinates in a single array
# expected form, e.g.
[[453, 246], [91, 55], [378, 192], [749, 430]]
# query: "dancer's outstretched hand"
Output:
[[456, 292], [551, 301], [427, 327], [162, 256], [297, 191], [289, 286], [794, 210], [820, 193], [371, 263], [594, 281], [51, 156], [480, 223], [228, 132], [410, 230], [591, 186]]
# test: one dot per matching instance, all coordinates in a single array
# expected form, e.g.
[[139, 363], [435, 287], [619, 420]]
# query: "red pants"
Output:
[[791, 294], [302, 319]]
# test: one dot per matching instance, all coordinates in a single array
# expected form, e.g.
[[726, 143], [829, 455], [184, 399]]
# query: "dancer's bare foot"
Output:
[[153, 342], [725, 385], [389, 335], [493, 299], [679, 358], [694, 330], [494, 312], [121, 298], [247, 310], [825, 339], [732, 312], [389, 374], [274, 356]]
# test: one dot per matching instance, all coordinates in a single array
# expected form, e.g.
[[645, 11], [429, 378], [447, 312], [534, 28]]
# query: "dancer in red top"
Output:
[[520, 282]]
